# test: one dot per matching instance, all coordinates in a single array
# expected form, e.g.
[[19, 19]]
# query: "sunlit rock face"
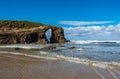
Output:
[[57, 35], [15, 35]]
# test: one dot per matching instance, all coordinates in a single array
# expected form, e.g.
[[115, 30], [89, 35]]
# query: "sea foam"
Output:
[[94, 41]]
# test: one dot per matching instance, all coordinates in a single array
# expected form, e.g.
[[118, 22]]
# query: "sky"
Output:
[[81, 19]]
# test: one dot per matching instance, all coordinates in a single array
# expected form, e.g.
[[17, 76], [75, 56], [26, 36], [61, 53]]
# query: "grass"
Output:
[[18, 24]]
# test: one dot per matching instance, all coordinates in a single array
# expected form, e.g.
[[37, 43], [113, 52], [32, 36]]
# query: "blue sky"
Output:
[[100, 17]]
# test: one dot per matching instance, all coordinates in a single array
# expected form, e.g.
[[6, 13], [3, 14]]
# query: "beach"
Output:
[[16, 66], [59, 39]]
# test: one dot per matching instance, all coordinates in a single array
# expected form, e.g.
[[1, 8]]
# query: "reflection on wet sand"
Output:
[[24, 67]]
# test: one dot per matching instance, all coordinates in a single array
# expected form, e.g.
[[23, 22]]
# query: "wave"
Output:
[[23, 46], [86, 61], [73, 55], [54, 56], [28, 55], [94, 41]]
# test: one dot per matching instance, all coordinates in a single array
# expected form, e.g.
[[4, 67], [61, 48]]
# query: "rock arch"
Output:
[[35, 35], [57, 35]]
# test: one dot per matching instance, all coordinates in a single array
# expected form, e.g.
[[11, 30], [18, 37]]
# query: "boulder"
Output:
[[48, 48], [73, 47]]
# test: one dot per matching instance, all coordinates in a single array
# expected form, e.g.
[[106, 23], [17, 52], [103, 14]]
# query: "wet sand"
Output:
[[24, 67]]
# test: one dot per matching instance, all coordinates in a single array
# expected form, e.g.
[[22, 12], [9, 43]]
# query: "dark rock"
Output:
[[23, 37], [67, 40], [48, 48], [73, 47], [17, 48]]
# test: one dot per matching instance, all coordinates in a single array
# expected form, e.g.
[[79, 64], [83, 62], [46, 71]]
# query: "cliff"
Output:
[[21, 32]]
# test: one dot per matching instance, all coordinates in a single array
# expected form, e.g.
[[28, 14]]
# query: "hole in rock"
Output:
[[48, 34]]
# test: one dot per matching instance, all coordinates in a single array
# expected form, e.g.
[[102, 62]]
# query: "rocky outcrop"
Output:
[[48, 48], [73, 47], [57, 35], [31, 35]]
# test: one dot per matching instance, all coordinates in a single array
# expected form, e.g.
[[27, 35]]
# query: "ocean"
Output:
[[105, 54]]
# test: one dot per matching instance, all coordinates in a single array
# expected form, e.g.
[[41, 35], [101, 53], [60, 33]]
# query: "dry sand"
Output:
[[23, 67]]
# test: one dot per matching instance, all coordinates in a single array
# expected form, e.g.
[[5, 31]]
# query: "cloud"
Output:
[[111, 32], [79, 23]]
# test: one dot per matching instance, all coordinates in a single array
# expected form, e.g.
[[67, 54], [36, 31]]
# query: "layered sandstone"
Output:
[[20, 32]]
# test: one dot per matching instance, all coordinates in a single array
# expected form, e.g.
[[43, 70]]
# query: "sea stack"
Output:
[[24, 32]]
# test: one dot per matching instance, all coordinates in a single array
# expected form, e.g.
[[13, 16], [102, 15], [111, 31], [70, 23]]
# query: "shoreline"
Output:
[[24, 67], [43, 55]]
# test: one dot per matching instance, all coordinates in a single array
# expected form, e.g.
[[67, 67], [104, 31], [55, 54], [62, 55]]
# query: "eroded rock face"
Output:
[[57, 35], [34, 35], [22, 37]]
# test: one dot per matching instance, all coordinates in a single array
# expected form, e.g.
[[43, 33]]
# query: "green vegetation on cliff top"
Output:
[[18, 24]]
